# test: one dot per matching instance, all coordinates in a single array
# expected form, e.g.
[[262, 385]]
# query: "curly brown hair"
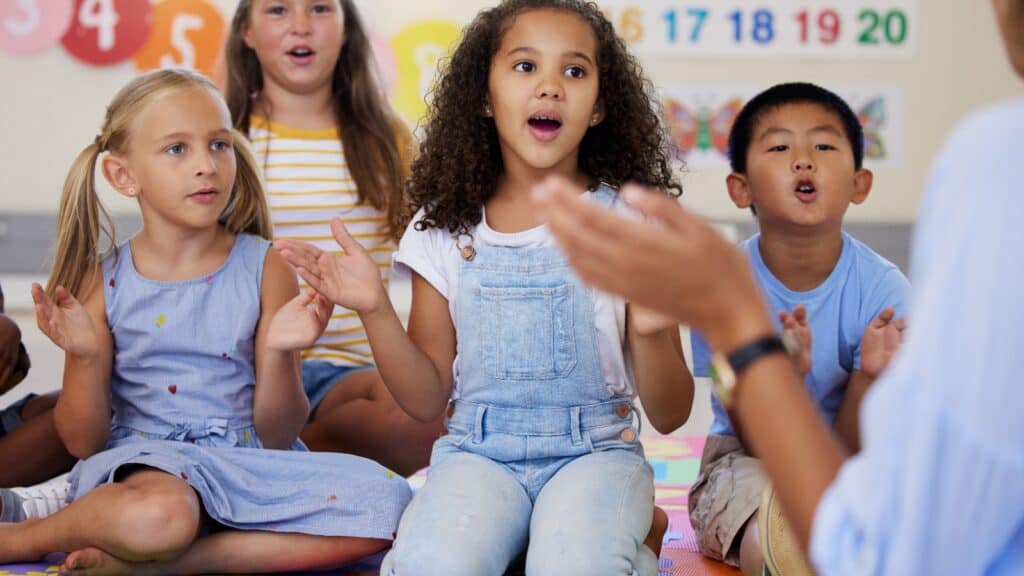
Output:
[[460, 162]]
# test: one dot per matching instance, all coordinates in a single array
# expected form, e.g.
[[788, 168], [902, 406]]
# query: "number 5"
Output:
[[180, 26]]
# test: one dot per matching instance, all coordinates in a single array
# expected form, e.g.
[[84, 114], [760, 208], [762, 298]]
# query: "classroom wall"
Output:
[[51, 106]]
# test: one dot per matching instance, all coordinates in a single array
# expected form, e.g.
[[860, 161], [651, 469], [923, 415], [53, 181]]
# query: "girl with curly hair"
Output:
[[538, 373]]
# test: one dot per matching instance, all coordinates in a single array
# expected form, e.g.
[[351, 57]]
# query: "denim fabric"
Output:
[[537, 448], [318, 377]]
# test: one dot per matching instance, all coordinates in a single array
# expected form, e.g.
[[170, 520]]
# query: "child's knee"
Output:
[[436, 559], [158, 521], [577, 555]]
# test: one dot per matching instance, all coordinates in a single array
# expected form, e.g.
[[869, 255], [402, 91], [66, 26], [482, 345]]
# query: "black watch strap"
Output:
[[745, 355]]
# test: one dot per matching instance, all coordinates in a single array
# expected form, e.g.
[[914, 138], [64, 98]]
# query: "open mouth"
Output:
[[546, 124], [805, 190], [301, 52]]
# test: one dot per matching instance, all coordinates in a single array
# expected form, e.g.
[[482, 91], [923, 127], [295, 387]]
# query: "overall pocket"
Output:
[[531, 336]]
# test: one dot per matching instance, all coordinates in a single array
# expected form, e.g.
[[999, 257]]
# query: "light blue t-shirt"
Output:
[[861, 285], [938, 486]]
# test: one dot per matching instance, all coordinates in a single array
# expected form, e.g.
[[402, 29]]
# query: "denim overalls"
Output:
[[537, 447]]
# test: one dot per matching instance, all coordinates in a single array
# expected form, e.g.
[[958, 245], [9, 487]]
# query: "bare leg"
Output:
[[659, 525], [34, 446], [235, 551], [150, 516], [359, 416], [751, 558]]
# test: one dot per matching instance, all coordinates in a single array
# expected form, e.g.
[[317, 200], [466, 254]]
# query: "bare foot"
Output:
[[95, 562], [659, 525]]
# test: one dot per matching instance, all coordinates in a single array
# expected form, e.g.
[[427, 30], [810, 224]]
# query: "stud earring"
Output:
[[487, 111]]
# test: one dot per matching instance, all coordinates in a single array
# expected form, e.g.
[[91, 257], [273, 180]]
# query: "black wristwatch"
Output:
[[726, 368]]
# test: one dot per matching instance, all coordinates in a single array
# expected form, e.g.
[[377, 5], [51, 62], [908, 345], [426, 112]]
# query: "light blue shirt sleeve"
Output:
[[939, 485], [892, 291], [701, 355]]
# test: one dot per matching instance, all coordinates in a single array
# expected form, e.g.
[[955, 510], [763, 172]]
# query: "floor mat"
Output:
[[675, 460]]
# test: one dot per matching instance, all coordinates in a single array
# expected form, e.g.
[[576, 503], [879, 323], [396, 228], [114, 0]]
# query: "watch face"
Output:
[[723, 377], [792, 344]]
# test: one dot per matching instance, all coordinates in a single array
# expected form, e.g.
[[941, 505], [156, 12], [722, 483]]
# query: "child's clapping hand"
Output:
[[880, 342], [795, 322]]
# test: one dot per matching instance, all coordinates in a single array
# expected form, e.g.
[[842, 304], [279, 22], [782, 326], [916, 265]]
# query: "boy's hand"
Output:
[[65, 322], [298, 323], [647, 321], [880, 342], [796, 323], [350, 279]]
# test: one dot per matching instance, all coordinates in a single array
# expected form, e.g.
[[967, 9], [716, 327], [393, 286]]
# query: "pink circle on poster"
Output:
[[28, 26], [386, 61], [105, 32]]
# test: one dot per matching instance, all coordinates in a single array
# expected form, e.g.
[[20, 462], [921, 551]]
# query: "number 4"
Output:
[[100, 14]]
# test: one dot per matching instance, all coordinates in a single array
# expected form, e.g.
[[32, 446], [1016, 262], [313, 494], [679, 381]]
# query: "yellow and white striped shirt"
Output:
[[308, 184]]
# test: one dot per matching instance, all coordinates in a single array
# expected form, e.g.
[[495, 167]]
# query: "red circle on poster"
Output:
[[105, 32]]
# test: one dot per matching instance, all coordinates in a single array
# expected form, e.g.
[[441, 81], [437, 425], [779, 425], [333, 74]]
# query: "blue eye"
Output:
[[220, 145], [176, 149], [524, 67], [575, 72]]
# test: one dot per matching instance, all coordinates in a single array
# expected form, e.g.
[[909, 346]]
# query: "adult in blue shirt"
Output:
[[938, 486]]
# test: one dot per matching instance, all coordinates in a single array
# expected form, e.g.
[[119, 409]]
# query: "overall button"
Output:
[[622, 410], [628, 435]]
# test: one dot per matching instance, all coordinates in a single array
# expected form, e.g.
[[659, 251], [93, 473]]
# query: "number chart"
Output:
[[730, 28], [168, 33]]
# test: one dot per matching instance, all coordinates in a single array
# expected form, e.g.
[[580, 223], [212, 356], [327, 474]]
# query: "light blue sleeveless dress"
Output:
[[182, 388]]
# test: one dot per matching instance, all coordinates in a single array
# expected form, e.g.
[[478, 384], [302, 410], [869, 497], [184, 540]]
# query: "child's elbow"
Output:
[[669, 423], [82, 446]]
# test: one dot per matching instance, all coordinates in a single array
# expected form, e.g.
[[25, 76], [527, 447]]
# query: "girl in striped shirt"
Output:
[[302, 84]]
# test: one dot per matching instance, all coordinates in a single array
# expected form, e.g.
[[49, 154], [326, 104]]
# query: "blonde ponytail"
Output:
[[247, 212], [80, 222]]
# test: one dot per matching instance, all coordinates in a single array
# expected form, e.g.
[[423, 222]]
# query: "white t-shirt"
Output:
[[434, 255]]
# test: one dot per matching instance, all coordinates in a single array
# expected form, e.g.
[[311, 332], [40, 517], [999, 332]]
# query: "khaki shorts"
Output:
[[727, 493]]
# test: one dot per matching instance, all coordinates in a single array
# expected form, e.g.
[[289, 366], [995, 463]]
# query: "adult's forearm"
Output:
[[798, 452]]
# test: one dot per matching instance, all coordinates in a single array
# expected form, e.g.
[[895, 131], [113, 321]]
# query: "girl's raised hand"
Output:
[[65, 322], [298, 323], [350, 278]]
